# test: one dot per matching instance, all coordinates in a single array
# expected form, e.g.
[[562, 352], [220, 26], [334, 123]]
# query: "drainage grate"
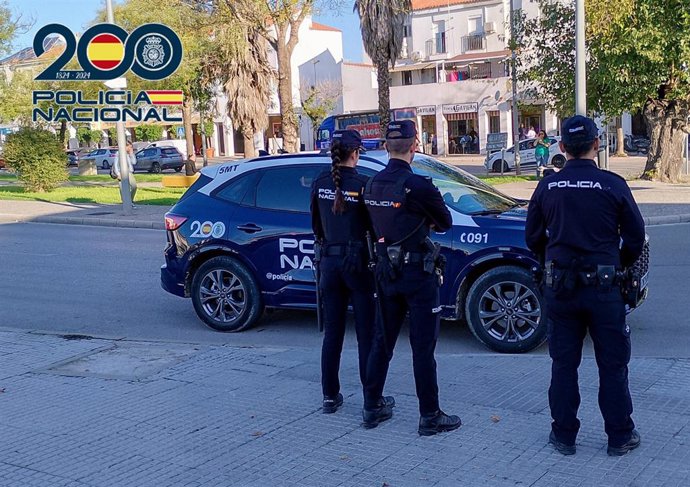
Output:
[[101, 213], [76, 337]]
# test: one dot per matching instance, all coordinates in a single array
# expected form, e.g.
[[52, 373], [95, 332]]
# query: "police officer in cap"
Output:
[[585, 224], [404, 207], [340, 223]]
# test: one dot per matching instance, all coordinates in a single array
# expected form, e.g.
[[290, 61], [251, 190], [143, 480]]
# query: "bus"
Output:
[[366, 123]]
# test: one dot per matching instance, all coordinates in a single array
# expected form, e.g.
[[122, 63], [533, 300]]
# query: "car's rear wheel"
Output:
[[225, 295], [156, 168], [105, 164], [558, 161], [504, 310], [497, 166]]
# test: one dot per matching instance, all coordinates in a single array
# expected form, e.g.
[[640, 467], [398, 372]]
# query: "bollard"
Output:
[[503, 158]]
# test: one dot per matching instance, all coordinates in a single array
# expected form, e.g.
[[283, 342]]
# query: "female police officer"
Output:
[[340, 223]]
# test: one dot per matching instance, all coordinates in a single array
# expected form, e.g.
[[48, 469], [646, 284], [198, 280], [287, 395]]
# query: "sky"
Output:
[[76, 14]]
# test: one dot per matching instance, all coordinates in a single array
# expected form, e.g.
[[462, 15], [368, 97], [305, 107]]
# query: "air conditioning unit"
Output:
[[416, 56], [490, 27]]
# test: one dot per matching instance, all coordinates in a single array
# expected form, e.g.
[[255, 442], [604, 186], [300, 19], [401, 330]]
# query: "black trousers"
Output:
[[337, 289], [417, 292], [570, 316]]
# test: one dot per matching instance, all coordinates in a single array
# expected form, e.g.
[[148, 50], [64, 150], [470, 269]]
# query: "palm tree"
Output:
[[381, 23], [240, 65]]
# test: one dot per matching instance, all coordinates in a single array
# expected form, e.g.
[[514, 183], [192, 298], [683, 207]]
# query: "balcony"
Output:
[[436, 45], [474, 42]]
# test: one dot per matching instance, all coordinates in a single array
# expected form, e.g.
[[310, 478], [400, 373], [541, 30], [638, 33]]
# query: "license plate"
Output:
[[644, 281]]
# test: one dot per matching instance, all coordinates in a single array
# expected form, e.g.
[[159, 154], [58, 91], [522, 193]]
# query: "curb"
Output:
[[649, 221], [70, 220]]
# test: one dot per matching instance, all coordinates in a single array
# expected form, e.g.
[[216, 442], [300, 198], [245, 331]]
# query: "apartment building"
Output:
[[453, 75]]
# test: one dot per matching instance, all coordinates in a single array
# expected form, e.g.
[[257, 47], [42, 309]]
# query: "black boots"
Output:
[[561, 447], [438, 423], [331, 404], [631, 444], [372, 417]]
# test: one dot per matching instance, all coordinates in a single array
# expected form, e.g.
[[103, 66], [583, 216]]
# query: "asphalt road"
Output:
[[105, 282]]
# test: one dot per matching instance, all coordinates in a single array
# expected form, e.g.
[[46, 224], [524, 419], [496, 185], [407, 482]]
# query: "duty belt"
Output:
[[602, 276], [335, 250]]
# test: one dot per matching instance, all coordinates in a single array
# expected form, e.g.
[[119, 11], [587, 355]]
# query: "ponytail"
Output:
[[338, 155]]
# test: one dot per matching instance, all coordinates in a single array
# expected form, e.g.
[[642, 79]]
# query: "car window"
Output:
[[236, 189], [526, 144], [461, 191], [286, 188], [149, 152], [169, 151], [113, 152], [100, 152]]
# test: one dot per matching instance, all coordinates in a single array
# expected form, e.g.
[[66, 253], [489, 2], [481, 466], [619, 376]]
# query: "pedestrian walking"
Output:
[[340, 223], [585, 225], [404, 207], [131, 162], [541, 151]]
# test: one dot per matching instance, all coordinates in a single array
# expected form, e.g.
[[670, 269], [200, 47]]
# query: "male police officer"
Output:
[[403, 208], [584, 222]]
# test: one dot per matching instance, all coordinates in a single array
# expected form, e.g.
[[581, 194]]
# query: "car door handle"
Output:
[[249, 228]]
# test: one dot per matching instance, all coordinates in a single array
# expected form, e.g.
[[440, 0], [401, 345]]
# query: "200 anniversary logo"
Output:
[[106, 52]]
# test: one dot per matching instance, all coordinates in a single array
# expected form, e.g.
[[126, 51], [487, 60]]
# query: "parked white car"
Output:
[[527, 156]]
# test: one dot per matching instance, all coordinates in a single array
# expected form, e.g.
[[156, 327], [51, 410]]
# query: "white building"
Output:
[[318, 53], [453, 76]]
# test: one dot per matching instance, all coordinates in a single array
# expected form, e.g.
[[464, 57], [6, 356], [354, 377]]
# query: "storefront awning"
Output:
[[413, 67], [478, 56]]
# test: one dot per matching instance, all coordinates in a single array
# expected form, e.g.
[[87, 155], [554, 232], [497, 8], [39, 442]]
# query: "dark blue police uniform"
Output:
[[403, 207], [585, 224], [343, 267]]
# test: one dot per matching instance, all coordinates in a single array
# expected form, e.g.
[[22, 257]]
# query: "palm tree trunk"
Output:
[[249, 149], [287, 111], [383, 78]]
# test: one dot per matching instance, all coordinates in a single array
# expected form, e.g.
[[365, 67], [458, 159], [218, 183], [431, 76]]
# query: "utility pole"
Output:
[[580, 57], [121, 139], [516, 136], [203, 135]]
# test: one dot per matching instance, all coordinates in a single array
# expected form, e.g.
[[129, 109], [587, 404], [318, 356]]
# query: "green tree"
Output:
[[638, 59], [148, 132], [10, 25], [37, 157], [86, 136], [319, 101], [191, 24], [278, 22], [381, 23]]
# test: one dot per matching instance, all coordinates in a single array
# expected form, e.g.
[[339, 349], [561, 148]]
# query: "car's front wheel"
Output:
[[225, 295], [505, 310], [497, 166], [558, 161], [156, 168]]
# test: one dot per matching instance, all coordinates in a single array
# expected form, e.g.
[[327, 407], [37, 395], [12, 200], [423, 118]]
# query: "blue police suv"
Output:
[[240, 240]]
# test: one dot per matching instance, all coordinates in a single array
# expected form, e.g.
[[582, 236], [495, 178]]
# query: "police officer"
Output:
[[403, 208], [586, 225], [340, 223]]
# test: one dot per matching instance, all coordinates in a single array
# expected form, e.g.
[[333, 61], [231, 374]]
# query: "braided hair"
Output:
[[339, 153]]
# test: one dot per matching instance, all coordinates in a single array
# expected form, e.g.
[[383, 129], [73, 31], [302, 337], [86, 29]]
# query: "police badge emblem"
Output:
[[153, 54]]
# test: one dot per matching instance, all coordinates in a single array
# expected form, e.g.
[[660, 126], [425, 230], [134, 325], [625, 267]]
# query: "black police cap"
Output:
[[349, 139], [578, 129], [403, 129]]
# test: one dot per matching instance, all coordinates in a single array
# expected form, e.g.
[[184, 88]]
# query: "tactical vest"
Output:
[[392, 220], [352, 224]]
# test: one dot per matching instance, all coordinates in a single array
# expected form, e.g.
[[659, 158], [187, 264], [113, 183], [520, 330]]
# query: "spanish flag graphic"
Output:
[[165, 97], [105, 51]]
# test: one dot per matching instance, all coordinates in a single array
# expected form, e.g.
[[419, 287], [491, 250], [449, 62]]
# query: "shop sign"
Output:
[[461, 108]]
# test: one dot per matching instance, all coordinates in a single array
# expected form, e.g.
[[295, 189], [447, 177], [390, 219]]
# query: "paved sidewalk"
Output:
[[96, 412]]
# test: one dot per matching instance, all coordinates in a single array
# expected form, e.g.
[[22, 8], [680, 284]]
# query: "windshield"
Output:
[[460, 190]]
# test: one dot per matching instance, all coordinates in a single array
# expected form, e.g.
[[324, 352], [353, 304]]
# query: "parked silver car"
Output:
[[158, 159], [104, 158]]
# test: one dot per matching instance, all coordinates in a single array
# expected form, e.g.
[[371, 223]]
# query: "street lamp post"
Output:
[[580, 57], [516, 136], [121, 140]]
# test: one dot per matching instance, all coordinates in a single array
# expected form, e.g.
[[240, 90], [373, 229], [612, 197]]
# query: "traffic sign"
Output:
[[495, 142]]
